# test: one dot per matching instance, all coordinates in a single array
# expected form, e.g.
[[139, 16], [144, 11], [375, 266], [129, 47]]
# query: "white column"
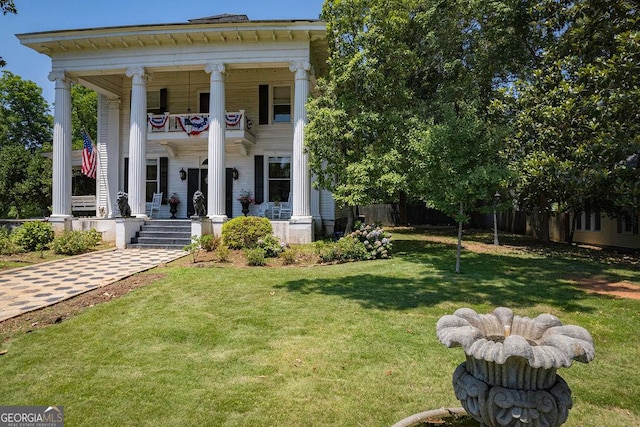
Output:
[[138, 142], [62, 170], [113, 155], [216, 156], [300, 179]]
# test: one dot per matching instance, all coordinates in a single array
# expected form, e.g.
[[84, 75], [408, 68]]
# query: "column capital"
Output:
[[58, 75], [137, 74], [215, 69], [62, 81], [113, 102], [301, 68]]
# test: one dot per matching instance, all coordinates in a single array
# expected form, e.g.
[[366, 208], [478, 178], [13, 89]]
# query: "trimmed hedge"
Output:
[[244, 232]]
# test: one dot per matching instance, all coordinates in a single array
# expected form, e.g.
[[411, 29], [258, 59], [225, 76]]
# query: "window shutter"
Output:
[[163, 100], [259, 179], [619, 224], [263, 107], [126, 175], [164, 179]]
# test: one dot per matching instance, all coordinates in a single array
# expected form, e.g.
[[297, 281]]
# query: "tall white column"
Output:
[[62, 171], [216, 166], [138, 142], [113, 155], [300, 180]]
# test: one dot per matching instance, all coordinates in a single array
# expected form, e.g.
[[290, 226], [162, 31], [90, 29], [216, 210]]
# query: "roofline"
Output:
[[180, 25]]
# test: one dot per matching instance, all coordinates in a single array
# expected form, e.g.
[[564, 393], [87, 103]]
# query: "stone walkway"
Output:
[[30, 288]]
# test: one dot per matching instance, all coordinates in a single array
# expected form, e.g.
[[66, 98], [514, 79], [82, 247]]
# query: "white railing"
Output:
[[195, 124]]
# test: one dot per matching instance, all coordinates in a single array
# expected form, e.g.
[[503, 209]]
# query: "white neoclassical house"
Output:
[[215, 104]]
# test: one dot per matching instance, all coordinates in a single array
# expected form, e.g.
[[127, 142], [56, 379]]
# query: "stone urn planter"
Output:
[[509, 377]]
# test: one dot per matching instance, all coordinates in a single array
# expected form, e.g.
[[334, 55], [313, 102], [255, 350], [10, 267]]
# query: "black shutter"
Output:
[[163, 101], [164, 179], [126, 175], [263, 104], [259, 179], [619, 224]]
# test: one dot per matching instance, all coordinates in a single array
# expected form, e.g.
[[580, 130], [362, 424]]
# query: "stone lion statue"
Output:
[[198, 204], [123, 204]]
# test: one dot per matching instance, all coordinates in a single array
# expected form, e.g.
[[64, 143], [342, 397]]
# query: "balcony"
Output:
[[173, 130]]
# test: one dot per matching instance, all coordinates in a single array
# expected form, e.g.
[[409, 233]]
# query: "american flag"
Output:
[[88, 157]]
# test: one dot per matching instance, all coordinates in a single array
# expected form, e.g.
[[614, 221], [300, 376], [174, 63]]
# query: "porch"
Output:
[[123, 230]]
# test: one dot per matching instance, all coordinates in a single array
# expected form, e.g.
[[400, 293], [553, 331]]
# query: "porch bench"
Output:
[[83, 204]]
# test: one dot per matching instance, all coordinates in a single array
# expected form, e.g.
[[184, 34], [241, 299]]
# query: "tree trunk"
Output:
[[402, 208], [350, 220], [459, 239], [572, 226], [540, 221]]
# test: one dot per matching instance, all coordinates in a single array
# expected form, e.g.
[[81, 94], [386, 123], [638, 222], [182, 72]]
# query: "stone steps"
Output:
[[162, 234]]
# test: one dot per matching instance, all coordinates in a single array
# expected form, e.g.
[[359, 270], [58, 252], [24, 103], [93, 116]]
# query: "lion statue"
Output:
[[123, 204], [198, 204]]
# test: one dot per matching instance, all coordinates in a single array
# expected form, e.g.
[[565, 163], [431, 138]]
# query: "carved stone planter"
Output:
[[509, 377]]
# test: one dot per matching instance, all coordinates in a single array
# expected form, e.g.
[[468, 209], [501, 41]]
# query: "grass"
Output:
[[348, 344]]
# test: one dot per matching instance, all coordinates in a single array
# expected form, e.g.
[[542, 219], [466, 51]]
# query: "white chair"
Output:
[[263, 208], [286, 208], [154, 206]]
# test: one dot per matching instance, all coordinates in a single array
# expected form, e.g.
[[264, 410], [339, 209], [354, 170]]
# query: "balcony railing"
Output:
[[195, 124]]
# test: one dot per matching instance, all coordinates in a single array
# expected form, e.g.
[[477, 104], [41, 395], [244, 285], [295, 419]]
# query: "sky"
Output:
[[47, 15]]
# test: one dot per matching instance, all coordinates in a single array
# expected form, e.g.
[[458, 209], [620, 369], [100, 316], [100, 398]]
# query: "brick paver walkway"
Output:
[[30, 288]]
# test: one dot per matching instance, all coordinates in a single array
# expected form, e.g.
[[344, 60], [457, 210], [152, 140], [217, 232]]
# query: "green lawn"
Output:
[[337, 345]]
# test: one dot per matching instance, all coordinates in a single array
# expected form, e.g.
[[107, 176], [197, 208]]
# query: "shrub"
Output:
[[325, 250], [271, 245], [367, 242], [209, 242], [33, 235], [76, 242], [245, 231], [223, 253], [346, 249], [288, 256], [7, 245], [350, 249], [376, 241], [255, 257]]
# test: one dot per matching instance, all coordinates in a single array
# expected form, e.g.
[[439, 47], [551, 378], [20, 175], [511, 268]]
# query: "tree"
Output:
[[84, 114], [575, 116], [6, 6], [354, 138], [461, 166], [24, 113], [25, 128]]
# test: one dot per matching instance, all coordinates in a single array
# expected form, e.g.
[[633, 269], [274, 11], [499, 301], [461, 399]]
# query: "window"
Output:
[[627, 224], [589, 221], [281, 104], [152, 178], [279, 178]]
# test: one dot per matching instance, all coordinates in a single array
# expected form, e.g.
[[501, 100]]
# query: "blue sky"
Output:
[[45, 15]]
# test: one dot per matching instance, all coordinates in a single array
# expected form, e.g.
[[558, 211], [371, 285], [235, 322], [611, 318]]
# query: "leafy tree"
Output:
[[462, 168], [84, 114], [25, 128], [575, 115], [6, 6], [24, 113], [25, 182], [354, 138]]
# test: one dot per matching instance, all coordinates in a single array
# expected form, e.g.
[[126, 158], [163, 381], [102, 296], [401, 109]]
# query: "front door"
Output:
[[197, 180]]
